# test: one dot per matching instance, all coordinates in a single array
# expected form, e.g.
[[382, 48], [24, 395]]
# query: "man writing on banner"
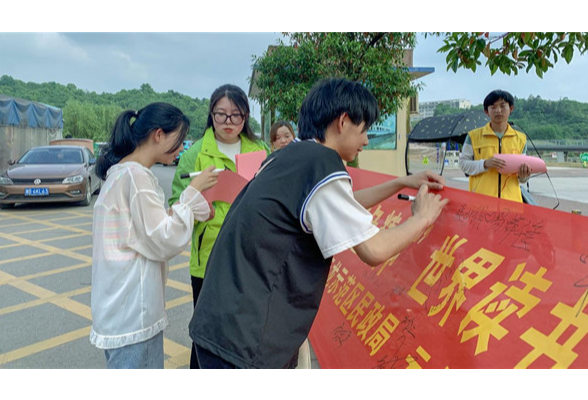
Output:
[[267, 270], [496, 137]]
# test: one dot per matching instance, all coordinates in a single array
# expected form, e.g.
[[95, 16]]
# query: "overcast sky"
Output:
[[565, 80], [196, 63]]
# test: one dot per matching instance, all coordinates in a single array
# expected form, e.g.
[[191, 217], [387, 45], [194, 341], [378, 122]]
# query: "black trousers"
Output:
[[196, 288], [216, 361]]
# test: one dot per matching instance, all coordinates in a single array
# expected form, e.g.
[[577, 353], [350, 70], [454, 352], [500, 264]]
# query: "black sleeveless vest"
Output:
[[266, 275]]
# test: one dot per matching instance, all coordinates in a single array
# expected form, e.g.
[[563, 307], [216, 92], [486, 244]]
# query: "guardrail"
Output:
[[563, 142], [561, 145]]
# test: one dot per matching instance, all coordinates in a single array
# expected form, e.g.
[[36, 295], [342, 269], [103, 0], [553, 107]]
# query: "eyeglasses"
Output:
[[221, 118]]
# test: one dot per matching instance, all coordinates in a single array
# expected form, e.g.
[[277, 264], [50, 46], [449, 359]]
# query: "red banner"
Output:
[[492, 284]]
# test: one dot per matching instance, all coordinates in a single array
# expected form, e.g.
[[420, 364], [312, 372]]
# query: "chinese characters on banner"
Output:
[[493, 284]]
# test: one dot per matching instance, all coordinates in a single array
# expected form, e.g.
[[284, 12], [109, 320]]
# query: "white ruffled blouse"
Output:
[[133, 239]]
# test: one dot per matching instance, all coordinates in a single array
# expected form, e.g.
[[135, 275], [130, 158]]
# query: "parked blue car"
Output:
[[187, 145]]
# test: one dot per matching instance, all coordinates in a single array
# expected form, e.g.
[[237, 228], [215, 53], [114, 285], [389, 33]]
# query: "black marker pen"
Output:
[[193, 174], [406, 197]]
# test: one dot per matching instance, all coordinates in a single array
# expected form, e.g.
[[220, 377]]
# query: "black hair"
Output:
[[496, 95], [330, 98], [238, 97], [126, 136]]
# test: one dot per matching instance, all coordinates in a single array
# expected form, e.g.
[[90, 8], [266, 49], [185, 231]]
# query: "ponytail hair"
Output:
[[132, 128]]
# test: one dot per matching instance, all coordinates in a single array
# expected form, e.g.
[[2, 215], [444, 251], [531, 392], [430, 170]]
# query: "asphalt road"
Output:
[[45, 277], [563, 189]]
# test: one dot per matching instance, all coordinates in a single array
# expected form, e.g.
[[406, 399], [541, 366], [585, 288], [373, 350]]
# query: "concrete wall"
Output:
[[15, 141], [389, 162]]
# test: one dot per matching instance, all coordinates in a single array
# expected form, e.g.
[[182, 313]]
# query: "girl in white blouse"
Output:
[[134, 236]]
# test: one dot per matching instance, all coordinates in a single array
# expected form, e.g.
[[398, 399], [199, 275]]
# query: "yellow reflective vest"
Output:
[[485, 144]]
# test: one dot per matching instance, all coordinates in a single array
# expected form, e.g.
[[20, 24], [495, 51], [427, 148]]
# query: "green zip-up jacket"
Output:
[[200, 156]]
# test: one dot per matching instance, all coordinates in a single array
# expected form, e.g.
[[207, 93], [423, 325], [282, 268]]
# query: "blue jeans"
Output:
[[143, 355]]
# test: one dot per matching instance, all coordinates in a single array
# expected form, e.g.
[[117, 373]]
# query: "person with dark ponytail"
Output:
[[134, 236]]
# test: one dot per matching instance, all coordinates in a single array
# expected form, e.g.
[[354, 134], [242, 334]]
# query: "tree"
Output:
[[543, 119], [511, 52], [287, 72], [91, 115], [89, 121], [444, 109], [80, 120]]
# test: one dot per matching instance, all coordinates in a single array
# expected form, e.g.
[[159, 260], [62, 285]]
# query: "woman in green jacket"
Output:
[[227, 134]]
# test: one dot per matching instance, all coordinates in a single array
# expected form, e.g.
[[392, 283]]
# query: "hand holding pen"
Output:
[[426, 204], [204, 179]]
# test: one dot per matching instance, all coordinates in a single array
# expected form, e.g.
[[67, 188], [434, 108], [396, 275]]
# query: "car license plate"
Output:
[[34, 192]]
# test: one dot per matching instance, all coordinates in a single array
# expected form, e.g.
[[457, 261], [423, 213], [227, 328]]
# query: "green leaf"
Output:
[[568, 53]]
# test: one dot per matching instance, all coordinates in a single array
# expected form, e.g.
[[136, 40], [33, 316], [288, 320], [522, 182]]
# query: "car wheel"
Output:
[[6, 206], [97, 191], [88, 198]]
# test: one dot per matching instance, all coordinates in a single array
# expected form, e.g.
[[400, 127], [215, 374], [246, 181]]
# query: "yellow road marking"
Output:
[[179, 286], [179, 355], [23, 258], [178, 302], [50, 249], [41, 301], [44, 345], [7, 246]]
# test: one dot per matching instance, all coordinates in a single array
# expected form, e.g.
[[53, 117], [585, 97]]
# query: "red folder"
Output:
[[229, 183], [248, 163]]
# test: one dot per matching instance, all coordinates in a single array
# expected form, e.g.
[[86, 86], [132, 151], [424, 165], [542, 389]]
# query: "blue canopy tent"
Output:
[[24, 113], [25, 124]]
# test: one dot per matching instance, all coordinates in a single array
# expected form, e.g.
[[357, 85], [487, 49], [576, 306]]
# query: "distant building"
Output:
[[427, 108]]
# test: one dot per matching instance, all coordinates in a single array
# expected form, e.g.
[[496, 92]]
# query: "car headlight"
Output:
[[73, 179], [5, 180]]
